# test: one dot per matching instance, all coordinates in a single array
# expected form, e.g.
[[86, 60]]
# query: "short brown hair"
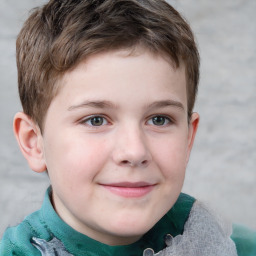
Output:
[[59, 35]]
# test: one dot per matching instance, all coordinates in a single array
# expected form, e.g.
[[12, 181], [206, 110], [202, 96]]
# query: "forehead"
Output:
[[137, 72]]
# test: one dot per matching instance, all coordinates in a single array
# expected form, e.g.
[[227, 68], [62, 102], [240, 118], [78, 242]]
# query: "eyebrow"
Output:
[[166, 103], [94, 104], [108, 104]]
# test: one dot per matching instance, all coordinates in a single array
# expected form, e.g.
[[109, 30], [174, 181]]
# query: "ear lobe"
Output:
[[29, 138], [193, 125]]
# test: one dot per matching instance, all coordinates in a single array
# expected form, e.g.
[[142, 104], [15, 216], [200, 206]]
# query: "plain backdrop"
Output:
[[222, 168]]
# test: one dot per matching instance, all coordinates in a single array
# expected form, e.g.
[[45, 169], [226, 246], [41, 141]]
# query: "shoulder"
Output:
[[245, 240], [17, 240], [204, 232]]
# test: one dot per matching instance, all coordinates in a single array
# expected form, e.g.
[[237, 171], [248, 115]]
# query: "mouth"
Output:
[[130, 189]]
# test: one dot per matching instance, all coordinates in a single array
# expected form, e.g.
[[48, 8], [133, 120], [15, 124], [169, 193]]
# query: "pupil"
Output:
[[158, 120], [97, 121]]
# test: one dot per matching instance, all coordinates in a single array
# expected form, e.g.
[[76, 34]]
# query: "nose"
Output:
[[131, 149]]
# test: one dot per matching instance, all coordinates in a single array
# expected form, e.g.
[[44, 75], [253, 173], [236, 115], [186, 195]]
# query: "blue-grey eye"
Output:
[[96, 121], [159, 120]]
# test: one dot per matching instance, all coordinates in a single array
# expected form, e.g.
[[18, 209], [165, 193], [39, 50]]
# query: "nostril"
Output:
[[125, 162], [134, 163], [144, 162]]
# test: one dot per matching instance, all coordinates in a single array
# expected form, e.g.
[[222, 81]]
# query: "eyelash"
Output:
[[90, 119], [167, 120], [104, 121]]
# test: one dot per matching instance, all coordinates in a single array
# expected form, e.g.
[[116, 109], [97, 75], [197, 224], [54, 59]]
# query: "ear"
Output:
[[192, 129], [30, 141]]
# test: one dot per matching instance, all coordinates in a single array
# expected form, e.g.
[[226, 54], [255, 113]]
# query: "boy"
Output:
[[108, 89]]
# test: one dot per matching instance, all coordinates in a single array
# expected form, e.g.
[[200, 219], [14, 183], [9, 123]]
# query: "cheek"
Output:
[[171, 156], [73, 159]]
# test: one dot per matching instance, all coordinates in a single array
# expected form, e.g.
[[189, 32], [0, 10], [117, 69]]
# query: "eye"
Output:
[[95, 121], [159, 121]]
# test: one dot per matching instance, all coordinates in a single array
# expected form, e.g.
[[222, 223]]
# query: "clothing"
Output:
[[245, 240], [43, 230]]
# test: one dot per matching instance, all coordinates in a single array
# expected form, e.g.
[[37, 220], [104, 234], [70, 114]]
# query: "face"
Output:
[[116, 143]]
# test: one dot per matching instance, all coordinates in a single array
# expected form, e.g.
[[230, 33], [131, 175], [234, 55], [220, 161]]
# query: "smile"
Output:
[[130, 190]]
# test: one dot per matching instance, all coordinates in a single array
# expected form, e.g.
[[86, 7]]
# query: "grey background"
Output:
[[222, 166]]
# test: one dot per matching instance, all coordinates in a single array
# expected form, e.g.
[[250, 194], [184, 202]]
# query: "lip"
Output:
[[130, 189]]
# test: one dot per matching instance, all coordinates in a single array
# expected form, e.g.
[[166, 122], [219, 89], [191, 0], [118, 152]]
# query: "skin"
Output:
[[116, 143]]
